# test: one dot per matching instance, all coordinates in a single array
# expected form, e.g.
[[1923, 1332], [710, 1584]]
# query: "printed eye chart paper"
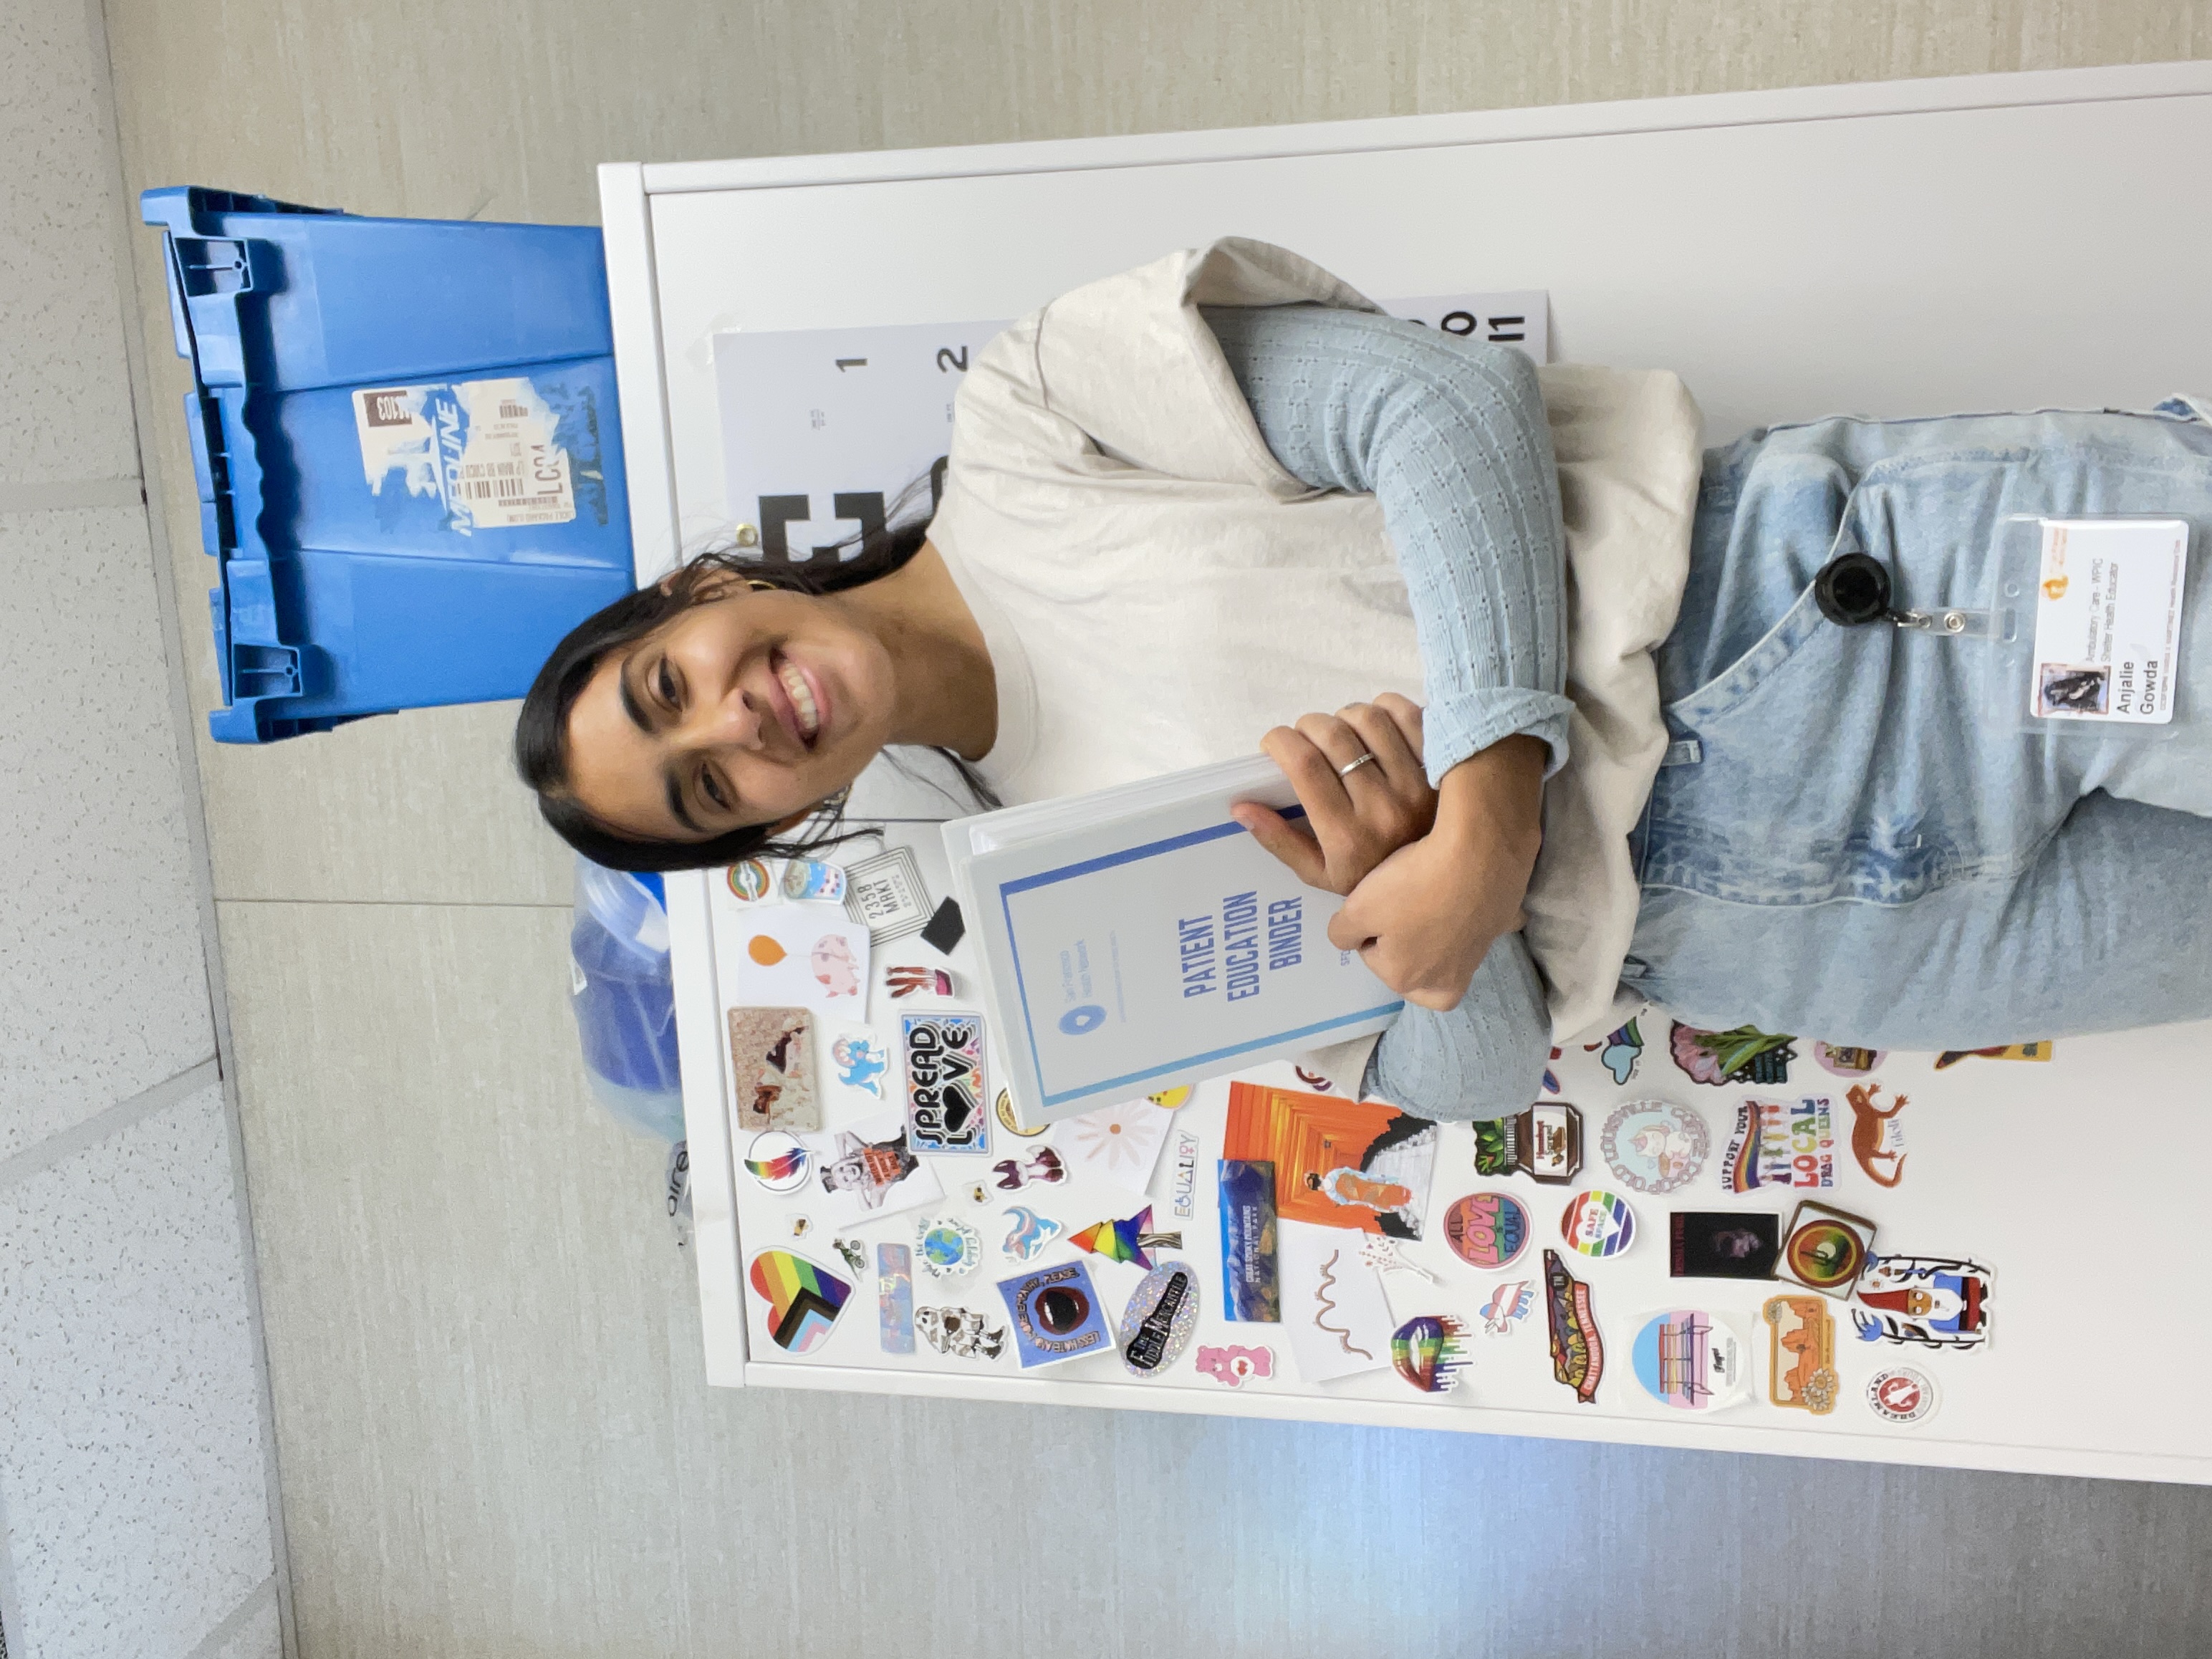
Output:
[[823, 427]]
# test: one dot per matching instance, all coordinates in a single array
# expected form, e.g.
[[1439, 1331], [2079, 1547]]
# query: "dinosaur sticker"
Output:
[[1877, 1138]]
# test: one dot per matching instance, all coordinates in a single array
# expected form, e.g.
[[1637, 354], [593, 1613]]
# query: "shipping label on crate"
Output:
[[823, 428], [484, 448]]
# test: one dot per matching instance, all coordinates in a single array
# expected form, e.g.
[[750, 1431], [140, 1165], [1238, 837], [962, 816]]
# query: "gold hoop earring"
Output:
[[759, 586]]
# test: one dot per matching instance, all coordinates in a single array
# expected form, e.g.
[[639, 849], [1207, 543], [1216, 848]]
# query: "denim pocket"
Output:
[[1735, 686], [1788, 804]]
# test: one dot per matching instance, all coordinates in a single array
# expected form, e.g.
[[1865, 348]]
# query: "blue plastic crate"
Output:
[[408, 451]]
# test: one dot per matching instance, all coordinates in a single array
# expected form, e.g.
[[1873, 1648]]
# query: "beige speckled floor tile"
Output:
[[132, 1470], [65, 395], [462, 1267], [101, 954]]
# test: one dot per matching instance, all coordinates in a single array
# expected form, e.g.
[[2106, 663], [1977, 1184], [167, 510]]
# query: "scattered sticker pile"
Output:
[[1322, 1204]]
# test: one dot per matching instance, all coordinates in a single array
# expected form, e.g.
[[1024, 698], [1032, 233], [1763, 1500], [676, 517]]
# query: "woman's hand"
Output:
[[1426, 916], [1358, 818]]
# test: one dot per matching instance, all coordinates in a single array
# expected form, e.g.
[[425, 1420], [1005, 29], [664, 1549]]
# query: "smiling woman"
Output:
[[697, 720], [1604, 733]]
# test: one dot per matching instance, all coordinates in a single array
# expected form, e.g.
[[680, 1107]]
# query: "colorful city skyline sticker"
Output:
[[1577, 1351]]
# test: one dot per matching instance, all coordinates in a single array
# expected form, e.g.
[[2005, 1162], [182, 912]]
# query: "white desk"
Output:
[[2003, 241]]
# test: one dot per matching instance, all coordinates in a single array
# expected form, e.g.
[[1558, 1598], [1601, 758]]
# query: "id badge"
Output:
[[2107, 629]]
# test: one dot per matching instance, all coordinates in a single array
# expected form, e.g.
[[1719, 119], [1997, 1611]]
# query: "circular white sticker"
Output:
[[1901, 1394]]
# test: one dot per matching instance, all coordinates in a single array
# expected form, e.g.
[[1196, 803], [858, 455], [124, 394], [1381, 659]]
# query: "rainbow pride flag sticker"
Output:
[[804, 1299]]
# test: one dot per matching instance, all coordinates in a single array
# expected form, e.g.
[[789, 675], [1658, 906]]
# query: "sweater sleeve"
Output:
[[1451, 439]]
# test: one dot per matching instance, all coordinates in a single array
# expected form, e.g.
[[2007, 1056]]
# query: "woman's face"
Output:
[[748, 707]]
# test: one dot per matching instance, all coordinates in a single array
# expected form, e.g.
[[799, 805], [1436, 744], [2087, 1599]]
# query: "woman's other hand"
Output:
[[1426, 916], [1355, 820]]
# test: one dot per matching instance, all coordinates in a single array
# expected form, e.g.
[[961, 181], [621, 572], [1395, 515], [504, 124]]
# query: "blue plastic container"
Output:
[[625, 998], [408, 451]]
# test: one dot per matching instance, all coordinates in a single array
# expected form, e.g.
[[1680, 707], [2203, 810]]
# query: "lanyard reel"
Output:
[[1853, 590], [2083, 631]]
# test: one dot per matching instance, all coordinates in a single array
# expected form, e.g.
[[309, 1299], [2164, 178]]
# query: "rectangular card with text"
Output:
[[2108, 620]]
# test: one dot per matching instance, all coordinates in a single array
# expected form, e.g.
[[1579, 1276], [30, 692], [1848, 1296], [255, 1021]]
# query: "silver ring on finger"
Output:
[[1365, 756]]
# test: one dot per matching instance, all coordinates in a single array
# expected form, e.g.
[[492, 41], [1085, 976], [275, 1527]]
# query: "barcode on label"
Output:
[[502, 481], [513, 412]]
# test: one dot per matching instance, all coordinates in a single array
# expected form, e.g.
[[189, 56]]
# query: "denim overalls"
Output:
[[1841, 846]]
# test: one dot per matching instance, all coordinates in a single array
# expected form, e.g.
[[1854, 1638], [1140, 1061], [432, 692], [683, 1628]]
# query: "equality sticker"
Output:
[[1487, 1230]]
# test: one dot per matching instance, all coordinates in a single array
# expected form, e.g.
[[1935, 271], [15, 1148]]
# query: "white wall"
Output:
[[136, 1468]]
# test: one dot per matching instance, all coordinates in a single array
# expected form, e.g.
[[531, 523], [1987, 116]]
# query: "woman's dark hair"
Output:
[[541, 730]]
